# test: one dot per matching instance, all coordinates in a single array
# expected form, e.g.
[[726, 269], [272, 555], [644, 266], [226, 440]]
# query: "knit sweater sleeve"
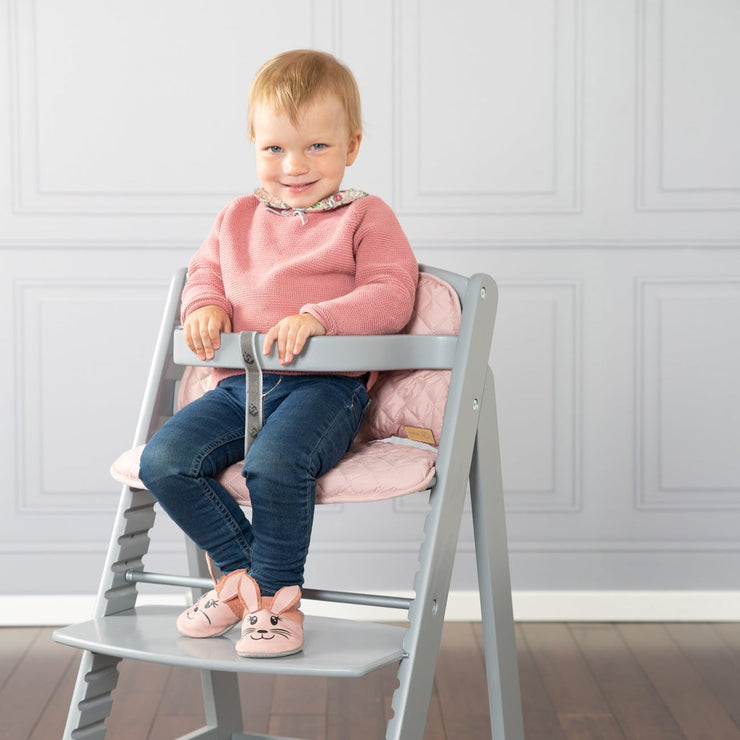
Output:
[[205, 286], [385, 278]]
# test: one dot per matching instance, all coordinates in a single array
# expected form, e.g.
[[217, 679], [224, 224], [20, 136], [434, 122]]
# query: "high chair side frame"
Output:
[[468, 458]]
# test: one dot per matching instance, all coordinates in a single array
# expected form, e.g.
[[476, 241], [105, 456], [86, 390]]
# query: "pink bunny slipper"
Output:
[[216, 612], [273, 625]]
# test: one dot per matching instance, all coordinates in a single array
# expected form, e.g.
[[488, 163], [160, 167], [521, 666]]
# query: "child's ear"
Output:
[[353, 147]]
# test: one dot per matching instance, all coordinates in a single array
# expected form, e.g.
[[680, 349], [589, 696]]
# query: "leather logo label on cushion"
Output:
[[419, 434]]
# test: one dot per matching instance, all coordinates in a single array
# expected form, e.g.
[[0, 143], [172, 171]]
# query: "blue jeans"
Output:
[[309, 422]]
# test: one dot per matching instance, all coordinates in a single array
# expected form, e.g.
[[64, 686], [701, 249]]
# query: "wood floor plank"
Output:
[[580, 705], [696, 710], [564, 672], [256, 698], [356, 708], [182, 693], [592, 727], [299, 707], [54, 715], [181, 707], [304, 726], [299, 695], [167, 727], [633, 700], [14, 643], [32, 684], [140, 685], [461, 683], [540, 717], [730, 633], [718, 666], [435, 728]]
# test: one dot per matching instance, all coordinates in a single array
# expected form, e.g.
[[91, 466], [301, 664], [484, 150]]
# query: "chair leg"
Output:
[[494, 581], [431, 585], [416, 676], [98, 674]]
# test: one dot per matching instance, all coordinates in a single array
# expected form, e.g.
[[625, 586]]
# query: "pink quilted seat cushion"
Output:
[[374, 468], [371, 471]]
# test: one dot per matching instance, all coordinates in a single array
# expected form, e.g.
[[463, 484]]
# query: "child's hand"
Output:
[[291, 334], [202, 330]]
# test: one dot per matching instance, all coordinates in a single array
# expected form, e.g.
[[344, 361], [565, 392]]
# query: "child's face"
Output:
[[302, 164]]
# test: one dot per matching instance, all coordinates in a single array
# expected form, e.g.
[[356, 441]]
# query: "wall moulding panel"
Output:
[[135, 133], [71, 419], [536, 359], [687, 396], [688, 151], [524, 159]]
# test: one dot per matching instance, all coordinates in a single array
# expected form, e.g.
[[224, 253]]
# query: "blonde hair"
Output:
[[293, 80]]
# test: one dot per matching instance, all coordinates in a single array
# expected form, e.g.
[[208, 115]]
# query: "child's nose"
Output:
[[295, 164]]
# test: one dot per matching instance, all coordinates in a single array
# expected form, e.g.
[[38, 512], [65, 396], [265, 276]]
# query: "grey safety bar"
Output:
[[335, 354]]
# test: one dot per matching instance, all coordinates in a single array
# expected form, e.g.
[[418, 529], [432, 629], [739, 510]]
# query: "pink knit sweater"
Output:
[[351, 267]]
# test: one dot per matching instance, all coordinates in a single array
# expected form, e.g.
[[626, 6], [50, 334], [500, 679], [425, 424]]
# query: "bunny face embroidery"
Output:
[[272, 626], [216, 612]]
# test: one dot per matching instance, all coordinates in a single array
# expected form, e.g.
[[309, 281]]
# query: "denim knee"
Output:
[[158, 462]]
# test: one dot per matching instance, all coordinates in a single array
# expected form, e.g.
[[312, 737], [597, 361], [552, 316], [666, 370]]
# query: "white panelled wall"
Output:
[[583, 152]]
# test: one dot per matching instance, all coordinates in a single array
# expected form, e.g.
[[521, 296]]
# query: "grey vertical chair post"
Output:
[[467, 459]]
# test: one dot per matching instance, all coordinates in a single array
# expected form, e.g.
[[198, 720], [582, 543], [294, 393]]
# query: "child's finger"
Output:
[[206, 345], [285, 337], [192, 339], [269, 341], [214, 335], [300, 340]]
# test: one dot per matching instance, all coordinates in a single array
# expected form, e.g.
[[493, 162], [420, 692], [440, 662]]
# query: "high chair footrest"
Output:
[[333, 647]]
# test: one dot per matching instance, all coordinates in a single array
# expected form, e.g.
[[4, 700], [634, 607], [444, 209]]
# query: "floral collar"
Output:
[[327, 204]]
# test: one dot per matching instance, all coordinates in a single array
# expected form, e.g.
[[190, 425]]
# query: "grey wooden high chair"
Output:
[[467, 458]]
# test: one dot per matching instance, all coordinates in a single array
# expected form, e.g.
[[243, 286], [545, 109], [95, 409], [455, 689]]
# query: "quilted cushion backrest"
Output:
[[404, 403], [411, 403], [195, 382]]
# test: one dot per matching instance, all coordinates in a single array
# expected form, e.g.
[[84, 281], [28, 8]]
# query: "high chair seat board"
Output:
[[334, 647], [440, 384]]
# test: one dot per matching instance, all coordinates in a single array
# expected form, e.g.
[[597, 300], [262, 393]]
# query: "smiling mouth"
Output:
[[299, 187]]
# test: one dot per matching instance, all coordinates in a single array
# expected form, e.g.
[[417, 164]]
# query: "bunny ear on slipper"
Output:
[[228, 586], [249, 593], [286, 598]]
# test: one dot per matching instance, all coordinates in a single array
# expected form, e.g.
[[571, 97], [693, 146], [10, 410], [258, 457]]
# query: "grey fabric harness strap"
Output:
[[253, 413]]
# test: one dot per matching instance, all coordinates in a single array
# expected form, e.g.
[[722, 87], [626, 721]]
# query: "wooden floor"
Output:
[[579, 682]]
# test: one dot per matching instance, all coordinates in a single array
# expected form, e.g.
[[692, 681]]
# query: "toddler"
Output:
[[299, 257]]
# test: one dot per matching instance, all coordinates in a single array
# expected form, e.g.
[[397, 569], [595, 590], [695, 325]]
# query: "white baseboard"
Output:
[[462, 606]]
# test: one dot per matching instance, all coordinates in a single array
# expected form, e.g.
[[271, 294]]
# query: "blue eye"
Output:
[[274, 149], [318, 147]]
